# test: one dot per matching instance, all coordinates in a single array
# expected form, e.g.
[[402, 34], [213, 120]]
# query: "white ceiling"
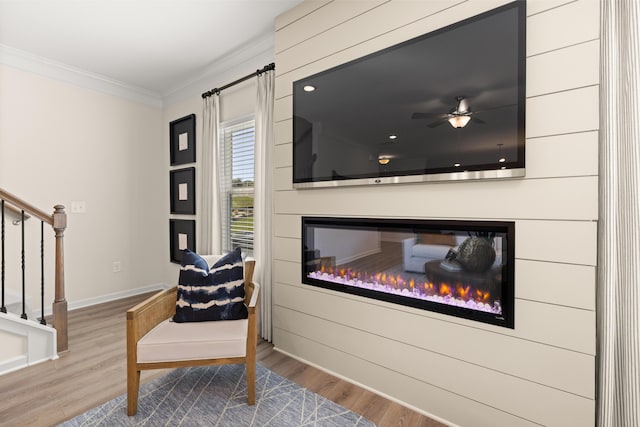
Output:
[[156, 45]]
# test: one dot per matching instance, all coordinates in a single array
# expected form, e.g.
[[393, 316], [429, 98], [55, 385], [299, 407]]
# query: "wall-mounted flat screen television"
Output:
[[447, 105]]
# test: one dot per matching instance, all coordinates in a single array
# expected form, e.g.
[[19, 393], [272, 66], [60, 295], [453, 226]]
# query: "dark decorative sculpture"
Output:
[[476, 254]]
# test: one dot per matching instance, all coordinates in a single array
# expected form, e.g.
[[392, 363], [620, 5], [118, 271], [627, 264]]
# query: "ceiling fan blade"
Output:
[[437, 123], [477, 120], [427, 115]]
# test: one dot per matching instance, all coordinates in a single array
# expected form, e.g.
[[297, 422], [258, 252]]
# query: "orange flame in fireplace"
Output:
[[459, 291], [445, 289], [481, 296], [463, 292], [428, 288]]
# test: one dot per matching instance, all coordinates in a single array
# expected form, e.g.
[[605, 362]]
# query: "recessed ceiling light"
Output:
[[456, 165], [393, 136], [309, 88], [502, 160]]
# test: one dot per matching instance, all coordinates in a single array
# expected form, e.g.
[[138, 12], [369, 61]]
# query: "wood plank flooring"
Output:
[[93, 371]]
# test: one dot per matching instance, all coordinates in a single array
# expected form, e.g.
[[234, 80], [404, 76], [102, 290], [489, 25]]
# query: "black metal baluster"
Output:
[[42, 321], [2, 307], [24, 314]]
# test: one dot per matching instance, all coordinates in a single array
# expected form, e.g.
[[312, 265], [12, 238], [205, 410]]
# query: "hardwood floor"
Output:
[[94, 371]]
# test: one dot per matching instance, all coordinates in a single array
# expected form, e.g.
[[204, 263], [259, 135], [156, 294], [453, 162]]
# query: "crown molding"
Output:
[[252, 56], [26, 61]]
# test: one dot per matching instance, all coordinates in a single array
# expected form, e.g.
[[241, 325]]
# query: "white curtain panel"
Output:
[[618, 320], [263, 192], [209, 238]]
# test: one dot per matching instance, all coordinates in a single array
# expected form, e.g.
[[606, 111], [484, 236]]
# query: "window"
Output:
[[237, 155]]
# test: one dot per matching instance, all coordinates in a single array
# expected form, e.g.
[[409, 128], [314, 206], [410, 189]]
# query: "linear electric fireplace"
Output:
[[458, 268]]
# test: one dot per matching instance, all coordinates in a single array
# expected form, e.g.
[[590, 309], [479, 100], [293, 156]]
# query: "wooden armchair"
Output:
[[154, 342]]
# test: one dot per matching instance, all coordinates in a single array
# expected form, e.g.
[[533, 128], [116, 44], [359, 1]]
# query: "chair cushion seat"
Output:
[[170, 341]]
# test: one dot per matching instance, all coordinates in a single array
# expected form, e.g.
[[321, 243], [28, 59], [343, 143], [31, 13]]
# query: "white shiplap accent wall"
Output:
[[467, 373]]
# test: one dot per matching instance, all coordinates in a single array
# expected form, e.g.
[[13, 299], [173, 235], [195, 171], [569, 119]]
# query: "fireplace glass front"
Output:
[[458, 268]]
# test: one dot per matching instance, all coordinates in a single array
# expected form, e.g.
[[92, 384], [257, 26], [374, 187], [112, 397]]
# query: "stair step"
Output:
[[13, 303], [25, 342]]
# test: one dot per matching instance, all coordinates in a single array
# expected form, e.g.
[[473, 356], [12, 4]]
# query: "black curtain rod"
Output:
[[217, 90]]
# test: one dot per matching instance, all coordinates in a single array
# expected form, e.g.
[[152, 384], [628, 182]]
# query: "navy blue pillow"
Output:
[[190, 258], [215, 293]]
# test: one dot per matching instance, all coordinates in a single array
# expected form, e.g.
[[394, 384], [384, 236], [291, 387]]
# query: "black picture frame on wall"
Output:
[[182, 140], [182, 235], [182, 183]]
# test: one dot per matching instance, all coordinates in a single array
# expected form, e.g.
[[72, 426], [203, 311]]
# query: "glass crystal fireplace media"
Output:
[[460, 268]]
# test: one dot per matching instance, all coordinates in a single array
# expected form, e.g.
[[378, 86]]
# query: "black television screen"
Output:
[[447, 105]]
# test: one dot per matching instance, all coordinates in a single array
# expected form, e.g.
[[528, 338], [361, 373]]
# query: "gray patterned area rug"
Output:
[[217, 396]]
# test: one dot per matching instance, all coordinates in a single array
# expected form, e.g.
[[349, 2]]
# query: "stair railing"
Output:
[[58, 221]]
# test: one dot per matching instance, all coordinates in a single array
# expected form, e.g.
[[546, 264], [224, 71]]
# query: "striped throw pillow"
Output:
[[210, 293]]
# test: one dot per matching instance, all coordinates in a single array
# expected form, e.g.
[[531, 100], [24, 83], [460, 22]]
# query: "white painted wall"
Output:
[[61, 143], [346, 245], [467, 373]]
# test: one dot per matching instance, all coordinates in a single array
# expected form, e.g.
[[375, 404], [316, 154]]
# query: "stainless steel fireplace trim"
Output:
[[439, 177]]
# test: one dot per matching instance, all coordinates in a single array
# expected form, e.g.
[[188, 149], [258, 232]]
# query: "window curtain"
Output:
[[618, 320], [210, 235], [263, 192]]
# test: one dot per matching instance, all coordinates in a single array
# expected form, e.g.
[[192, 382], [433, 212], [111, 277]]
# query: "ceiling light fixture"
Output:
[[456, 165], [459, 121], [383, 160], [309, 88], [393, 136]]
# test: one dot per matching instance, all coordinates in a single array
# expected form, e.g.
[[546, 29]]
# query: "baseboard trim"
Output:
[[88, 302], [20, 362], [13, 364], [378, 392]]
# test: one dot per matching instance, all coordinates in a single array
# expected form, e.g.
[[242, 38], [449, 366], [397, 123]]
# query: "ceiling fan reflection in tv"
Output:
[[458, 116]]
